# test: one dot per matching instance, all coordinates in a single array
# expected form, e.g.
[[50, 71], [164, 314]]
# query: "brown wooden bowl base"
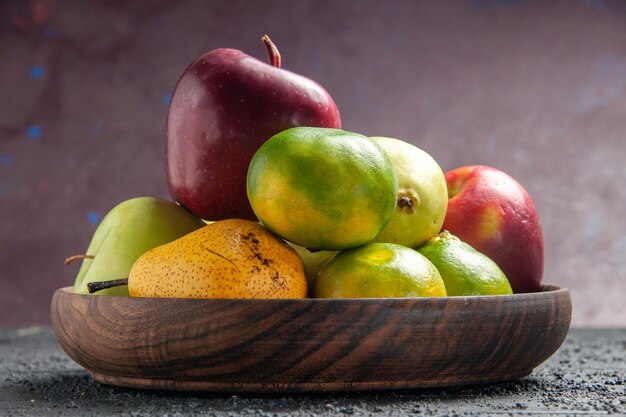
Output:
[[303, 387], [310, 344]]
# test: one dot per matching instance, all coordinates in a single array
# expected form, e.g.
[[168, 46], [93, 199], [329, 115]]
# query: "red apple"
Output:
[[224, 107], [492, 212]]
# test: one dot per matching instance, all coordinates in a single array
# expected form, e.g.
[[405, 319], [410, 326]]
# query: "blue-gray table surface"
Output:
[[586, 377]]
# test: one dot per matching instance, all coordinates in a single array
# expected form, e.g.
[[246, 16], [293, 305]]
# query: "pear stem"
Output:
[[103, 285], [272, 50], [71, 259]]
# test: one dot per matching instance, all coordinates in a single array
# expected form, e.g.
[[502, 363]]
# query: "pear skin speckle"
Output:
[[226, 259]]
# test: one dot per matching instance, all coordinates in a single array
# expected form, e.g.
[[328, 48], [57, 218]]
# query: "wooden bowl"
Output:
[[310, 344]]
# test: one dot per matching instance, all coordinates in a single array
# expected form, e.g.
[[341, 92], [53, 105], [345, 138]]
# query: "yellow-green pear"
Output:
[[128, 231], [422, 195], [225, 259]]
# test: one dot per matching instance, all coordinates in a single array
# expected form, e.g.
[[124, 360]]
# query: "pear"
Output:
[[225, 259], [422, 194], [129, 230]]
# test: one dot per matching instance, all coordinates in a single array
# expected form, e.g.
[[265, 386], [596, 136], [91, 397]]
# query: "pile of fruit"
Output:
[[274, 200]]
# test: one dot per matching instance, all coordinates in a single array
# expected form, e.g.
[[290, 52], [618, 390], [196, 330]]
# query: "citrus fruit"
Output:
[[422, 195], [322, 188], [379, 270], [464, 270], [225, 259]]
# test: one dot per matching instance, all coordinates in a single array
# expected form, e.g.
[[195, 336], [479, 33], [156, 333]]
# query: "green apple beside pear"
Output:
[[128, 231], [422, 195]]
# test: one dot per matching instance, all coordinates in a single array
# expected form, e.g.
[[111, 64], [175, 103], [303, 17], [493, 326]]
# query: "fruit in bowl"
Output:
[[249, 140], [128, 231], [464, 270], [379, 270], [225, 259], [422, 194], [324, 189], [313, 262], [224, 106], [494, 214]]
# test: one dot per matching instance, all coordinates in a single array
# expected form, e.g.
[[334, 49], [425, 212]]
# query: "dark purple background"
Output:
[[537, 89]]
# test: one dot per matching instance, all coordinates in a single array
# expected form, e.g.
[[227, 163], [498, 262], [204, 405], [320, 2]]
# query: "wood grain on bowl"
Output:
[[310, 344]]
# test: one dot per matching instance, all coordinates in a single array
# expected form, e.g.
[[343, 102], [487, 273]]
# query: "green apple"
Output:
[[130, 229], [422, 195]]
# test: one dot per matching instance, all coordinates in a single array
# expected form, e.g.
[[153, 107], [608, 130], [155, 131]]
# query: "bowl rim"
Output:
[[545, 290]]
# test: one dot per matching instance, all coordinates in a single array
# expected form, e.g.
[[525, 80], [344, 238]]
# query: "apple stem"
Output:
[[103, 285], [272, 50], [71, 259]]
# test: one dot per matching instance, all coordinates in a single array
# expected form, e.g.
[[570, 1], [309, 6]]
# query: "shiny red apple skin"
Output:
[[225, 105], [492, 212]]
